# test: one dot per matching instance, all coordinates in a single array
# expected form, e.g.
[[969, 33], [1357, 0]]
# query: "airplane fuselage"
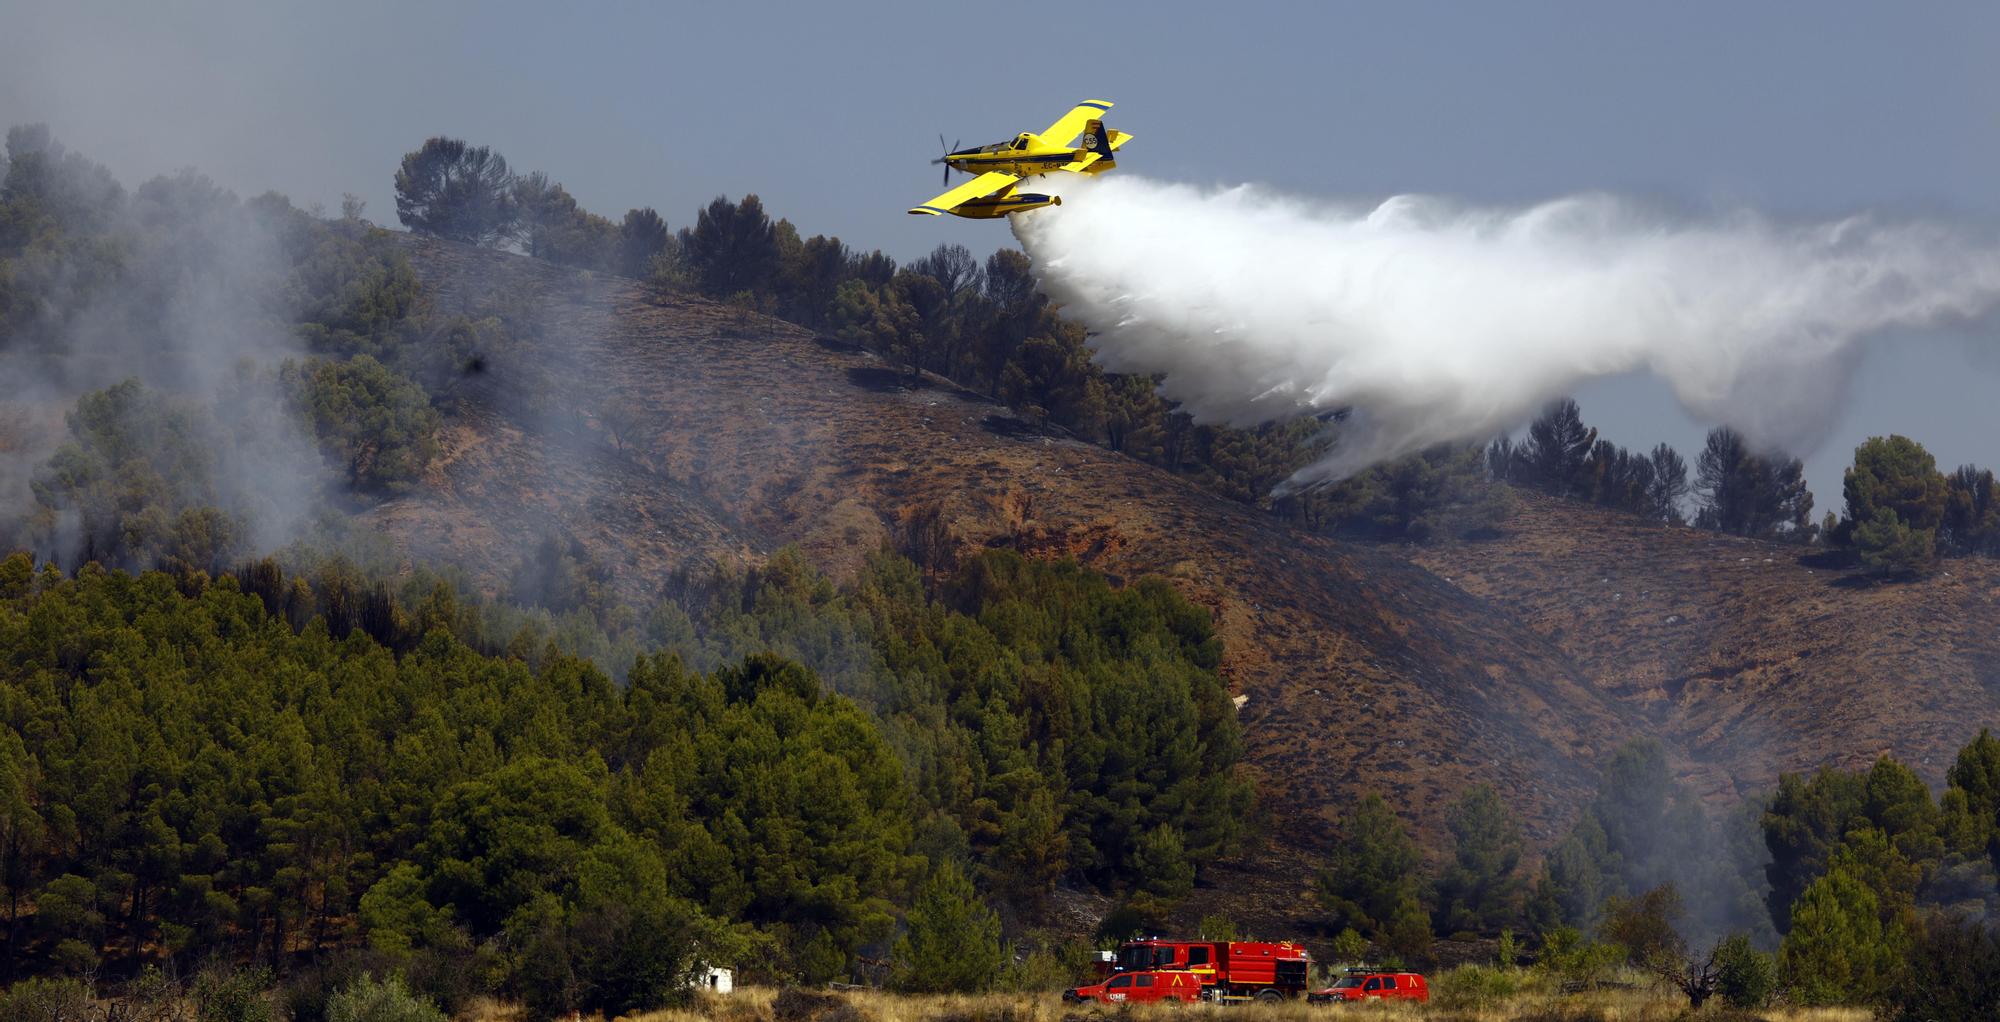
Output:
[[1025, 155]]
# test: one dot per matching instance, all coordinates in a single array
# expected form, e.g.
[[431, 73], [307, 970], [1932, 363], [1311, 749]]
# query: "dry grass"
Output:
[[754, 1005], [487, 1009]]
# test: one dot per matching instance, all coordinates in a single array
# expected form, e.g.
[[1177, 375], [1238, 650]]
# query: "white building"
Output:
[[714, 980]]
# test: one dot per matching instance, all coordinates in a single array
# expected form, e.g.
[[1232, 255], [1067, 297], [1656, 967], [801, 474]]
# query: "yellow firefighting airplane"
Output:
[[1001, 166]]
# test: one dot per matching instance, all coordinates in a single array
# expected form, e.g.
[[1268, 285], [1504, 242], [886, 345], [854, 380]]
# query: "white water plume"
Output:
[[1430, 321]]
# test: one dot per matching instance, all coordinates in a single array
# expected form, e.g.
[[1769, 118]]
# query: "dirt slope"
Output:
[[668, 432], [664, 433], [1749, 657]]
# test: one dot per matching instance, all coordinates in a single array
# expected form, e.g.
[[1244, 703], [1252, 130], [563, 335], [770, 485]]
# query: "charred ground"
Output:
[[1749, 656], [666, 433]]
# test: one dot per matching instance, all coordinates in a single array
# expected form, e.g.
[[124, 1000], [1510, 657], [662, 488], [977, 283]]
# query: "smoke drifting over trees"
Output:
[[1433, 322], [179, 285]]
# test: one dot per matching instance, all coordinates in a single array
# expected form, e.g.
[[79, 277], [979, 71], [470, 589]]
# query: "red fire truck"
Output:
[[1229, 970]]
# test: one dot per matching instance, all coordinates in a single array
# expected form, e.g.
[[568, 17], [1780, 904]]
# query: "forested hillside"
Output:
[[187, 773], [540, 604]]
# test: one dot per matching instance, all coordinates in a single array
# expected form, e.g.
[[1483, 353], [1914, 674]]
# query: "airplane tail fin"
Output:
[[1097, 139]]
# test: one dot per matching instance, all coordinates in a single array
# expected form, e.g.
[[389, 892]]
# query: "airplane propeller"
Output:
[[948, 150]]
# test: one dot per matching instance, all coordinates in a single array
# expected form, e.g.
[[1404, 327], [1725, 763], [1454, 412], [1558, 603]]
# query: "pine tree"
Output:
[[732, 248], [1975, 775], [642, 237], [1372, 880], [374, 423], [1895, 473], [1896, 500], [811, 276], [951, 942], [1744, 976], [878, 319], [922, 347], [1161, 870], [1835, 952], [456, 191], [954, 268], [1805, 821], [1950, 971], [1577, 876], [23, 831], [1482, 888], [1971, 523], [1750, 494], [552, 226], [1669, 485], [1557, 450]]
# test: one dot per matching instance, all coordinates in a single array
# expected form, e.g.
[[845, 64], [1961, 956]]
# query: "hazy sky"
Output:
[[831, 112]]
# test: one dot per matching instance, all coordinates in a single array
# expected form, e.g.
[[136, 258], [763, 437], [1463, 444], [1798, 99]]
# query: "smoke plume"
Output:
[[1429, 321], [179, 287]]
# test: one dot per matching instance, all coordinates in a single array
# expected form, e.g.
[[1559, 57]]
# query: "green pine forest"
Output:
[[238, 744], [186, 771]]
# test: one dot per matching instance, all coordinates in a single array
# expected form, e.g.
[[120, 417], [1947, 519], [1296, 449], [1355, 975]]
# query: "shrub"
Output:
[[451, 978], [1122, 923], [1744, 976], [1644, 925], [307, 992], [75, 957], [795, 1005], [1216, 926], [1475, 986], [1350, 948], [154, 996], [46, 1000], [1950, 970], [1051, 966], [390, 1000], [223, 994], [1572, 958]]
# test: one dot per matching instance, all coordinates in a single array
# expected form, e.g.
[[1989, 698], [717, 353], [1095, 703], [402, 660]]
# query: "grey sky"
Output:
[[830, 113]]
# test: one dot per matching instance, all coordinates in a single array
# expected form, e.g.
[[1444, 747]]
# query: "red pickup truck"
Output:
[[1363, 985], [1140, 988]]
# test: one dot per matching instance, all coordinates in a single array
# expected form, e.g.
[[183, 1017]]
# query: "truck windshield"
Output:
[[1347, 983], [1135, 957]]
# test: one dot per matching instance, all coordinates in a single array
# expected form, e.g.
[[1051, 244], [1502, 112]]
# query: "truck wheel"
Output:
[[1269, 996]]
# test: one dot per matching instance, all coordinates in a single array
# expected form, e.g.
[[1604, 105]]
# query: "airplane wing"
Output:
[[1082, 166], [1065, 130], [984, 184]]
